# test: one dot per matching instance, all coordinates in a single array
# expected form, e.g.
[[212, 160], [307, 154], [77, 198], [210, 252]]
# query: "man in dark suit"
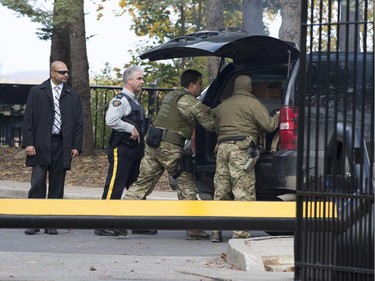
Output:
[[52, 134]]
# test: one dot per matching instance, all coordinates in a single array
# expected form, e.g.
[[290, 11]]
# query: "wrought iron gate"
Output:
[[335, 170]]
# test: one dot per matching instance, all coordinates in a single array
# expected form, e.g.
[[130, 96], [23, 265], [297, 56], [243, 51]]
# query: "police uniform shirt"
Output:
[[119, 107]]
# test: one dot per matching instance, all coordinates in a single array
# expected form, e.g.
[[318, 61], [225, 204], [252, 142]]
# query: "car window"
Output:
[[228, 89], [267, 88], [269, 94], [337, 81]]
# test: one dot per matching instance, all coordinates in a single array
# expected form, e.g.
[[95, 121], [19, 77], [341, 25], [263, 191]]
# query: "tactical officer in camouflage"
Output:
[[238, 122], [179, 114]]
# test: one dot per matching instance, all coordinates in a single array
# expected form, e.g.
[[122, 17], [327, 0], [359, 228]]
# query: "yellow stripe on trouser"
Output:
[[114, 172]]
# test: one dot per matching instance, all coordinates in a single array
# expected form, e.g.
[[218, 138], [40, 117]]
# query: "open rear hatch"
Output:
[[237, 45]]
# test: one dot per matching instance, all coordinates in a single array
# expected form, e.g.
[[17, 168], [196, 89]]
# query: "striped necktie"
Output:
[[57, 120]]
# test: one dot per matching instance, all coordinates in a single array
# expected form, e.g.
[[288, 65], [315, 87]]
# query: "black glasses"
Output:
[[62, 72]]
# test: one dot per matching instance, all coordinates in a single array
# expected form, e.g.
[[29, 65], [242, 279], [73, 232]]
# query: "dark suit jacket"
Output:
[[38, 122]]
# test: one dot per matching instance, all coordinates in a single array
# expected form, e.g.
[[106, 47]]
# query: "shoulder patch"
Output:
[[116, 103]]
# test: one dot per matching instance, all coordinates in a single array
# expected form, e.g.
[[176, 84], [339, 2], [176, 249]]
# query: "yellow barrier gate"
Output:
[[156, 214]]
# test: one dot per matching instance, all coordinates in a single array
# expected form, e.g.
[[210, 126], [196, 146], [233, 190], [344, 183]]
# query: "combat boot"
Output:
[[197, 234], [241, 234], [216, 236], [31, 231], [121, 231], [106, 232]]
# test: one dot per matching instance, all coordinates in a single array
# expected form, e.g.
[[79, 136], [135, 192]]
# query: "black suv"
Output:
[[269, 62], [339, 102], [274, 66]]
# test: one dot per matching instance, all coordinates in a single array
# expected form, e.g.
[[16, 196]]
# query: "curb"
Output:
[[273, 253], [238, 255]]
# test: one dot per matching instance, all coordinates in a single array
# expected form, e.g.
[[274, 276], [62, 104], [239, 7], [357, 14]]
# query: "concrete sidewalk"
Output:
[[13, 189], [262, 256]]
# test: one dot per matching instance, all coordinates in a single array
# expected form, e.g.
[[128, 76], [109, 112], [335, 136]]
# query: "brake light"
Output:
[[288, 127]]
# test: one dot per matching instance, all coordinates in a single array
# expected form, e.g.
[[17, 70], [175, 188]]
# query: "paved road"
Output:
[[81, 255], [84, 241]]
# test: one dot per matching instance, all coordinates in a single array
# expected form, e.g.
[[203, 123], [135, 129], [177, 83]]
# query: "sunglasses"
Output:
[[62, 72]]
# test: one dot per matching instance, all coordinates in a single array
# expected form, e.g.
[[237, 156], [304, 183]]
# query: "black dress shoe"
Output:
[[51, 231], [144, 231], [106, 232], [31, 231], [122, 232]]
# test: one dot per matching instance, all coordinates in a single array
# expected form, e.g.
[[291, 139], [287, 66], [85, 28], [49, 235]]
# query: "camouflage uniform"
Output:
[[239, 120], [167, 155], [231, 181]]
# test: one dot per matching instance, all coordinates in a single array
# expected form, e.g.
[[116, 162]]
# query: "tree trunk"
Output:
[[349, 34], [214, 21], [69, 45], [80, 72], [252, 16], [60, 36], [290, 29]]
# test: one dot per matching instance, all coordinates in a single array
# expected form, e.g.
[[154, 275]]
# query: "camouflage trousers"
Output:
[[231, 181], [153, 164]]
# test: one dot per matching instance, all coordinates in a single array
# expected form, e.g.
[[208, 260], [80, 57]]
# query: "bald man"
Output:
[[51, 134]]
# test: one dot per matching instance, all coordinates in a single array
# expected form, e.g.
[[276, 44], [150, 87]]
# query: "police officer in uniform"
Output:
[[239, 120], [126, 117], [179, 114]]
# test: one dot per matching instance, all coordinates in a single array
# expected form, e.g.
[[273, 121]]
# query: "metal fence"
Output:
[[150, 97], [336, 142], [12, 110]]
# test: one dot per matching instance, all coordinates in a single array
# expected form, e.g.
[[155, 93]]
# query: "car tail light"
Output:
[[288, 127]]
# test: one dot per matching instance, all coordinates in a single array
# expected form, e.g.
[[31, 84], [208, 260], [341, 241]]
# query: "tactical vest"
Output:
[[136, 116], [170, 118]]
